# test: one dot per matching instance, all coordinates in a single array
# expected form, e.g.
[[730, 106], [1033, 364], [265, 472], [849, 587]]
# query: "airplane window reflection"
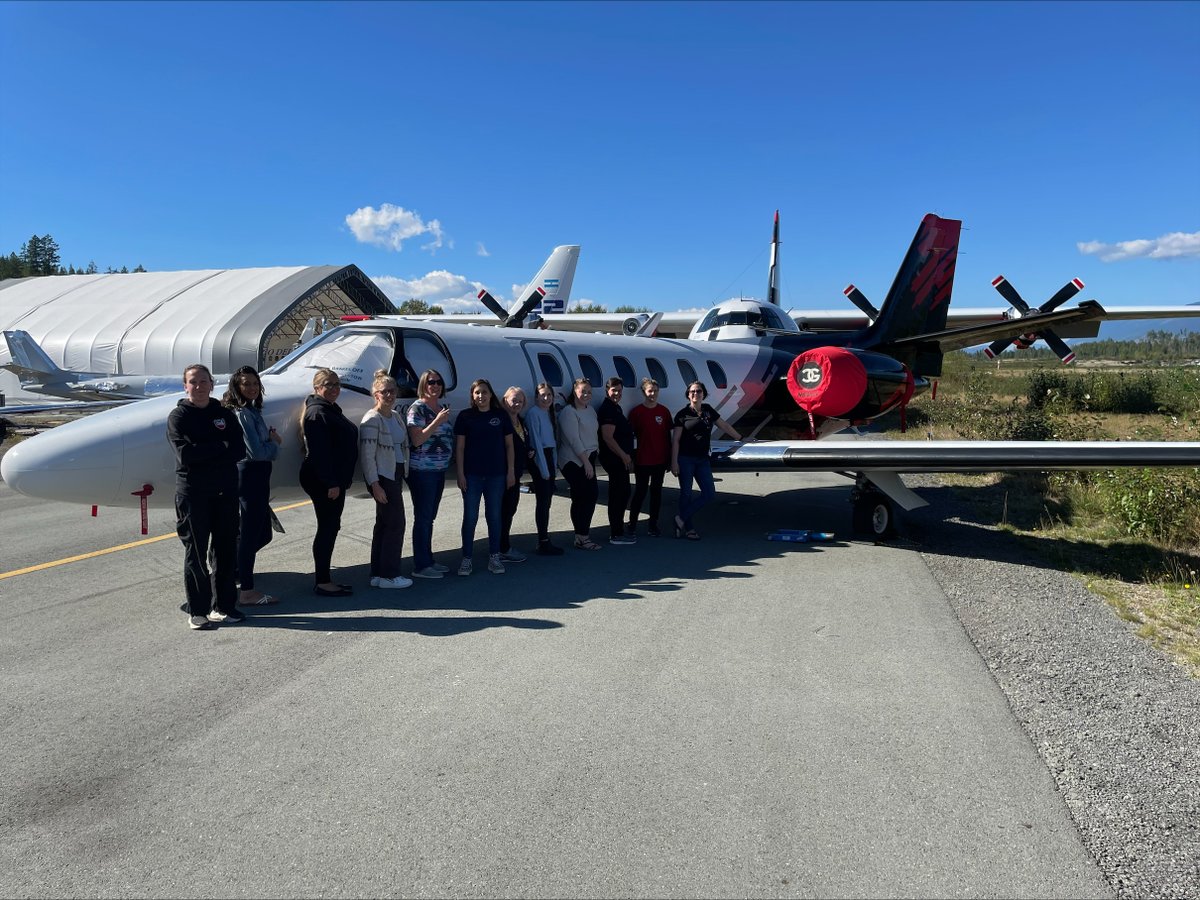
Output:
[[709, 321], [658, 373], [591, 370], [720, 382], [625, 371], [551, 370], [686, 370]]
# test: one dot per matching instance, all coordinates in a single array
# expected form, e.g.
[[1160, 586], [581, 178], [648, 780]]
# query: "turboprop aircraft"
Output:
[[811, 384], [750, 319]]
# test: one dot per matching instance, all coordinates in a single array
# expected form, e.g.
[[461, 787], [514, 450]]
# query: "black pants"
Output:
[[329, 523], [508, 511], [649, 479], [254, 533], [543, 494], [202, 520], [387, 540], [618, 497], [584, 493]]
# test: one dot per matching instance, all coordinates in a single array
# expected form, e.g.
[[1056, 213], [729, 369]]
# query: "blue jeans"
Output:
[[491, 489], [698, 469], [425, 488]]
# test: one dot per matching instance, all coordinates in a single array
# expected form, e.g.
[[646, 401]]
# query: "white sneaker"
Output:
[[398, 582], [430, 572], [494, 565], [375, 579], [464, 567]]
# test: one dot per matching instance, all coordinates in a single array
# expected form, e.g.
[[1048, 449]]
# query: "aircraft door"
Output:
[[548, 363]]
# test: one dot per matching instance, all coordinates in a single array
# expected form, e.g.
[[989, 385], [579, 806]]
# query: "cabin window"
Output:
[[719, 382], [686, 370], [552, 372], [657, 372], [709, 320], [591, 370], [625, 371]]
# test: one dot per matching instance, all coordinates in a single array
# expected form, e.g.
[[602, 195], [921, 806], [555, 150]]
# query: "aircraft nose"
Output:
[[71, 463]]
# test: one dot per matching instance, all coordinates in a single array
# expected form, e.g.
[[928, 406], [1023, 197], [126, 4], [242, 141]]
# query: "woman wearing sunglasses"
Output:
[[691, 442], [431, 443]]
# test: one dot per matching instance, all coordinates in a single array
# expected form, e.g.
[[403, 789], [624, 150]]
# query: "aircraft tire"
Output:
[[873, 516]]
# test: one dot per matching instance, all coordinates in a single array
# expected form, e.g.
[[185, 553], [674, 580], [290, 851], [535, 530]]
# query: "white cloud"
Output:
[[481, 250], [390, 226], [1176, 245], [453, 293]]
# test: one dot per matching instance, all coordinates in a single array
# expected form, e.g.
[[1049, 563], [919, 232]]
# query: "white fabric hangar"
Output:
[[156, 323]]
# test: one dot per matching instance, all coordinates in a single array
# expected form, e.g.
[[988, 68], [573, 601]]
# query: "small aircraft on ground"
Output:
[[750, 319], [813, 384]]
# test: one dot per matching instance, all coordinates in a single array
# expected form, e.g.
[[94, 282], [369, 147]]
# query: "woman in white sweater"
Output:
[[383, 455], [578, 442]]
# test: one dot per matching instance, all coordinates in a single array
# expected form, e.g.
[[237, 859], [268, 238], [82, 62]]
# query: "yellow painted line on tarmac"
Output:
[[117, 549]]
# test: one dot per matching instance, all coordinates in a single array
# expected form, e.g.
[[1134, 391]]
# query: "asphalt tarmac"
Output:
[[734, 717]]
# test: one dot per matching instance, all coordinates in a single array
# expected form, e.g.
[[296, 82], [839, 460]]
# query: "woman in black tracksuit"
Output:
[[330, 453]]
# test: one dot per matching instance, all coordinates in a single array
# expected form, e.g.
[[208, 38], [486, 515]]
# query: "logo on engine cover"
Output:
[[810, 375]]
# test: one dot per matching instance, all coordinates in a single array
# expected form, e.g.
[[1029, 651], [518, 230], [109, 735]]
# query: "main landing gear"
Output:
[[873, 514]]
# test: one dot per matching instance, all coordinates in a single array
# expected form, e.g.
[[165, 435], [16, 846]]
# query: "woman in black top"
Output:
[[330, 452], [616, 455], [514, 403], [690, 445]]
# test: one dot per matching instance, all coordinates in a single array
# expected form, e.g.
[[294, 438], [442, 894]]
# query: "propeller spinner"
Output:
[[1024, 341]]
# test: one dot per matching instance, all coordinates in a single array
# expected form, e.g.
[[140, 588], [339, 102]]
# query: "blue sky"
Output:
[[446, 146]]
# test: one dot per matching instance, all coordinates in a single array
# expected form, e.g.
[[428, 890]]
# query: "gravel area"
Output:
[[1116, 721]]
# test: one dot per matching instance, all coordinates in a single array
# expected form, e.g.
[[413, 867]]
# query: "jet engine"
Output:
[[853, 385]]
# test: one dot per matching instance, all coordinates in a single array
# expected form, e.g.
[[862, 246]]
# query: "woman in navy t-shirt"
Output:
[[690, 445], [483, 441]]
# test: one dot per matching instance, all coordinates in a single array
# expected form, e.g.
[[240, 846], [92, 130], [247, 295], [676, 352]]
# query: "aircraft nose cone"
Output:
[[65, 464]]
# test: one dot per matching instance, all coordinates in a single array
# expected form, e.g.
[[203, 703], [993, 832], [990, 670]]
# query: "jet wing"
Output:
[[833, 455], [971, 335]]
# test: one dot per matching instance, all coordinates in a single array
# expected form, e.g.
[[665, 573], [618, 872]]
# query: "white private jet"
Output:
[[818, 384]]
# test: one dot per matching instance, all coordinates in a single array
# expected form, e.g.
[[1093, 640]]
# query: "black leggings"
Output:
[[649, 479], [254, 495], [543, 492], [329, 523], [584, 493], [618, 497]]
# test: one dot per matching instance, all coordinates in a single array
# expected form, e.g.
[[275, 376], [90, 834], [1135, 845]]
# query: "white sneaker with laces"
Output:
[[390, 583], [375, 579]]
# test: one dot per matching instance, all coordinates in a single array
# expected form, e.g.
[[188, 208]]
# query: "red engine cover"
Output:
[[827, 381]]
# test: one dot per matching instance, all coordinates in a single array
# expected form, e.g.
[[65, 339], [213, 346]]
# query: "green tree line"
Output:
[[40, 256]]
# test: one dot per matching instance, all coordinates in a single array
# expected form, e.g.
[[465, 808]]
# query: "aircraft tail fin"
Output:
[[555, 277], [773, 270], [30, 362], [919, 299]]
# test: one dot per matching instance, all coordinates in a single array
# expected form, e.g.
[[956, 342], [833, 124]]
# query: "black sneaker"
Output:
[[545, 548], [226, 618], [200, 623]]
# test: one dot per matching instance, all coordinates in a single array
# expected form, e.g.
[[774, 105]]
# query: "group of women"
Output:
[[492, 443]]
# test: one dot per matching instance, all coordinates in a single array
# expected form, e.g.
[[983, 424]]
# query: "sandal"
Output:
[[585, 544], [693, 535]]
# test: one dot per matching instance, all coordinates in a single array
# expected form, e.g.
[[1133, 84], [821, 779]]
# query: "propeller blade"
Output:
[[490, 302], [534, 299], [994, 349], [859, 299], [1055, 343], [1066, 292], [1009, 293]]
